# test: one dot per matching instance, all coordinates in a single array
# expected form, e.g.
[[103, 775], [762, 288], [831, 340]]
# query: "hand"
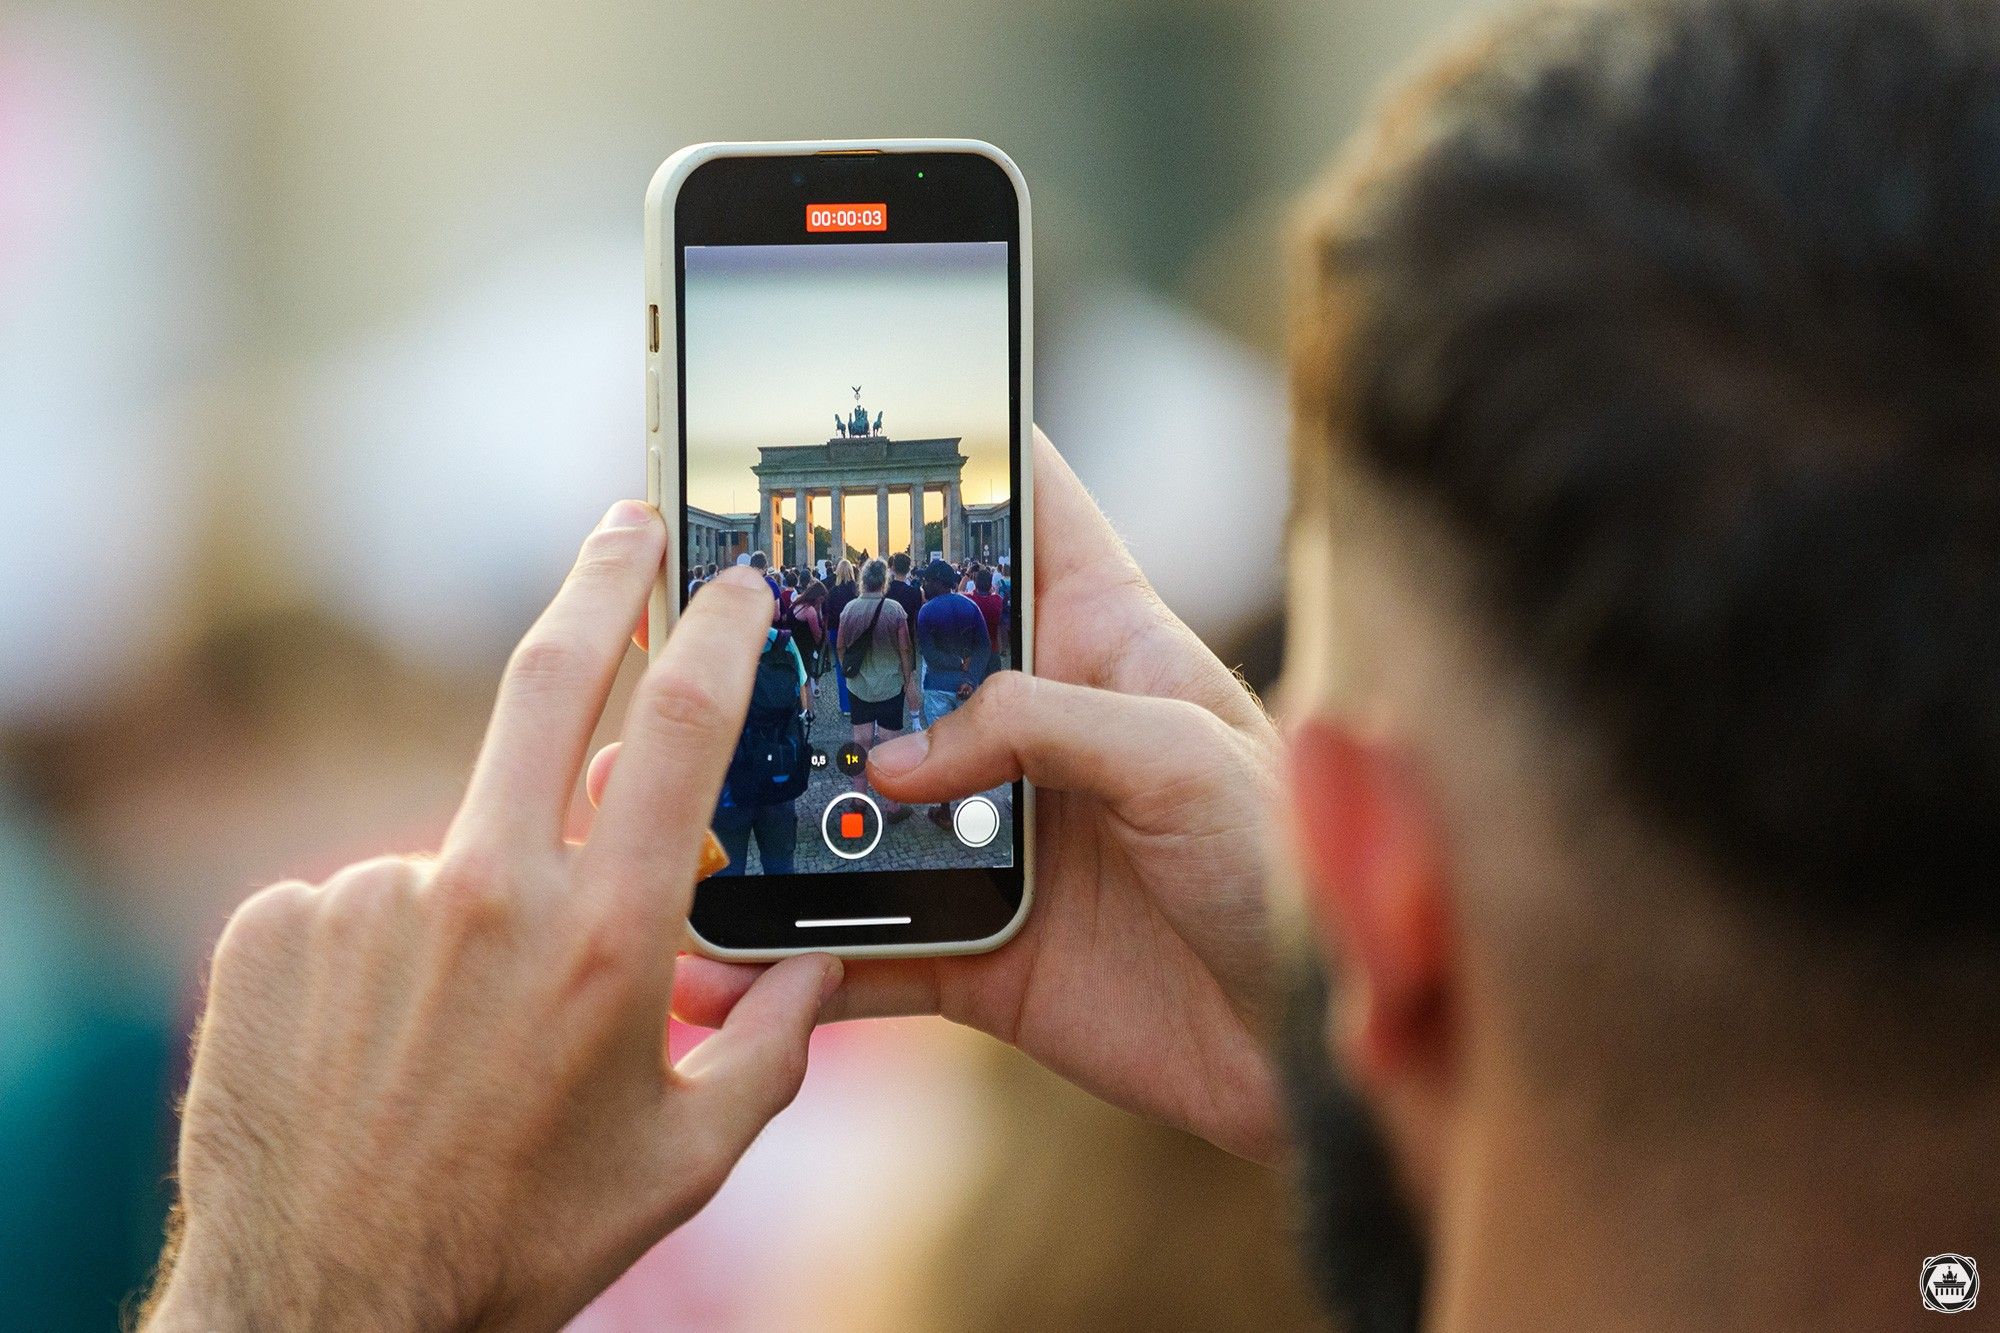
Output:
[[435, 1093], [1140, 973]]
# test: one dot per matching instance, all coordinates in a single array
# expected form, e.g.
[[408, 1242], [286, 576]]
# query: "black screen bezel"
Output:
[[931, 196]]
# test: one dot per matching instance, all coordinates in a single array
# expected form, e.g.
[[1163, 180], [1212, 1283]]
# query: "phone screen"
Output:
[[850, 418]]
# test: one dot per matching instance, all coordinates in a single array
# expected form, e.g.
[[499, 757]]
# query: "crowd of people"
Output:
[[904, 647]]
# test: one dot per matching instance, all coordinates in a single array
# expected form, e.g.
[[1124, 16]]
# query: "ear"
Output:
[[1373, 872]]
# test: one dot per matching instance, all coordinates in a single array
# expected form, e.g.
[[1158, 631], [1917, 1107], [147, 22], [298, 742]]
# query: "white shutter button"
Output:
[[975, 821]]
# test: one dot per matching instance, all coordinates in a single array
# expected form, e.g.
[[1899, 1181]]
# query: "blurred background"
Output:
[[320, 350]]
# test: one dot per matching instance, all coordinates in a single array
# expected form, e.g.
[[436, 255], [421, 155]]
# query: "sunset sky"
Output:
[[778, 335]]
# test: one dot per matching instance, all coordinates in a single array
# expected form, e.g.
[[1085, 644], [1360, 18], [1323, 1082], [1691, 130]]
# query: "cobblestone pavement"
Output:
[[914, 844]]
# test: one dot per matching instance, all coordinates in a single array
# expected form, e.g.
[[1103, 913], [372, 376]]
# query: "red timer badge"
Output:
[[847, 217]]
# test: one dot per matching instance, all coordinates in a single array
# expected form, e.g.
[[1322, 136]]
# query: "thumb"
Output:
[[752, 1067], [1060, 736]]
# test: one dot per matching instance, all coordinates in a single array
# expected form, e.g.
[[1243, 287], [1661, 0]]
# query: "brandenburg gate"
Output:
[[859, 458]]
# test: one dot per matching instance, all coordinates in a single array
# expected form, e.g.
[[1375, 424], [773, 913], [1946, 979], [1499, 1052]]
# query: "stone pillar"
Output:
[[917, 523], [759, 541], [777, 521], [954, 523], [836, 528], [802, 533], [882, 521]]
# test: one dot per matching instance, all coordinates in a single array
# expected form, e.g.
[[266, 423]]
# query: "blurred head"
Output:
[[843, 573], [939, 579], [983, 581], [874, 576], [814, 594], [758, 560], [1645, 582], [900, 562]]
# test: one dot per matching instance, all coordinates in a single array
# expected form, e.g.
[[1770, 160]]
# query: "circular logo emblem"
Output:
[[1950, 1283]]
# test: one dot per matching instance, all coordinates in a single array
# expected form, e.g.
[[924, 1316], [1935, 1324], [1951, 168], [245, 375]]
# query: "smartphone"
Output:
[[837, 393]]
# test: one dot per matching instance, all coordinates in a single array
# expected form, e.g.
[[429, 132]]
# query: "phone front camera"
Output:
[[798, 178]]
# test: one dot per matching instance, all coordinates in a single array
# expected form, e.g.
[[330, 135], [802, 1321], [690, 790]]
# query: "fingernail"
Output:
[[629, 514], [830, 983], [901, 754]]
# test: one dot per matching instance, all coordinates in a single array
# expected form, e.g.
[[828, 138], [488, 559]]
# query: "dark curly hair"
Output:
[[1684, 317]]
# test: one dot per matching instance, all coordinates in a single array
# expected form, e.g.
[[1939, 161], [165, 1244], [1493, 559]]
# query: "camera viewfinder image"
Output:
[[848, 419]]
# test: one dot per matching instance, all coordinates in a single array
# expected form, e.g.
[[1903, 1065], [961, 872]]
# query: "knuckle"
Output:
[[1004, 694], [1211, 762], [682, 704], [1188, 728], [606, 955], [734, 598], [1009, 687], [366, 890], [1195, 723], [262, 927], [545, 660], [614, 553], [469, 892], [380, 876]]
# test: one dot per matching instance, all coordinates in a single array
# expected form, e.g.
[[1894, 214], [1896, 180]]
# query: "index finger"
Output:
[[556, 683], [1063, 505], [1092, 550], [680, 731]]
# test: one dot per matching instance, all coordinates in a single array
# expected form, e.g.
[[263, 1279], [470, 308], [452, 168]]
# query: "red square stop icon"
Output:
[[852, 825]]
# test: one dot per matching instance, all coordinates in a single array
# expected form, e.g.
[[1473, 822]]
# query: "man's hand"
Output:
[[435, 1093], [1141, 969]]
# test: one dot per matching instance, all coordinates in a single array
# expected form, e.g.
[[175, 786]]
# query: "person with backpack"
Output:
[[875, 652], [771, 766]]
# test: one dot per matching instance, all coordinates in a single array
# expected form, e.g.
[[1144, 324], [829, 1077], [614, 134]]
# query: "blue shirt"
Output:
[[951, 640]]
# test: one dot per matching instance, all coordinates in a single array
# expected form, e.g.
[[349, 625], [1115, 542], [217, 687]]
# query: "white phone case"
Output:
[[663, 474]]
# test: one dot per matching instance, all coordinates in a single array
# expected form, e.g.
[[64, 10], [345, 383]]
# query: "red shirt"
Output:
[[991, 605]]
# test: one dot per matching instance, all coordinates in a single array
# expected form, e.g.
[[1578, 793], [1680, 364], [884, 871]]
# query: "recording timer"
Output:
[[847, 217]]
